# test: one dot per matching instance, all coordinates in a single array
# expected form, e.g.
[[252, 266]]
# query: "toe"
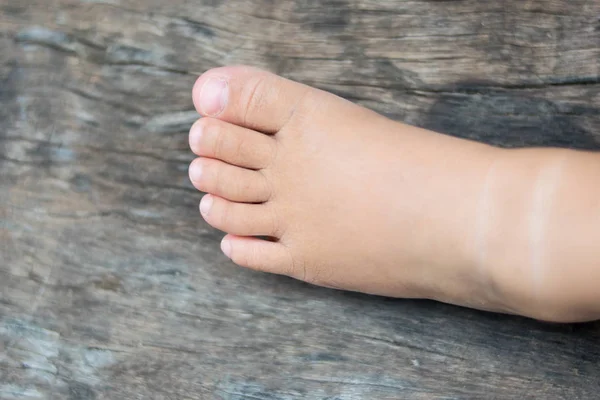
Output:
[[258, 254], [228, 181], [248, 97], [240, 218], [233, 144]]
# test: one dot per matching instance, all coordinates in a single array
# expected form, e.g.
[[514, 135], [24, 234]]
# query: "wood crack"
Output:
[[352, 382], [479, 89], [102, 150], [399, 345]]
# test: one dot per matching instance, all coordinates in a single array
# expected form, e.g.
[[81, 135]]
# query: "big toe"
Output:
[[248, 97]]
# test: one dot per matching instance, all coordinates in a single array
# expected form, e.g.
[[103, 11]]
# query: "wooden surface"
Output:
[[112, 287]]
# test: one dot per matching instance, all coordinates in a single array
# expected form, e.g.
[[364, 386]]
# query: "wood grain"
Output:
[[113, 288]]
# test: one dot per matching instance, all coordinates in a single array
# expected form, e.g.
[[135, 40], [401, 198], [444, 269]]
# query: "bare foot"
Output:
[[351, 199]]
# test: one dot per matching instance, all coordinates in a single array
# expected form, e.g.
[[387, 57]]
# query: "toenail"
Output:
[[226, 247], [206, 204], [195, 135], [196, 172], [213, 97]]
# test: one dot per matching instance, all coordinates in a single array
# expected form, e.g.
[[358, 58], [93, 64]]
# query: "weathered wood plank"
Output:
[[111, 285]]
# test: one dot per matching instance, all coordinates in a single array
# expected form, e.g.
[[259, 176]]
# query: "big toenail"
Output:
[[206, 204], [213, 97]]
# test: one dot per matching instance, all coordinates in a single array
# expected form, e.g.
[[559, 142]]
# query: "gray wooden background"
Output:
[[112, 287]]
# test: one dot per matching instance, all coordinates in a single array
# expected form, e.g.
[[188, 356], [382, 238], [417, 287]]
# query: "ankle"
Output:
[[457, 224], [511, 219]]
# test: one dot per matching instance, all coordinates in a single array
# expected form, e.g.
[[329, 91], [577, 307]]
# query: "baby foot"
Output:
[[348, 198]]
